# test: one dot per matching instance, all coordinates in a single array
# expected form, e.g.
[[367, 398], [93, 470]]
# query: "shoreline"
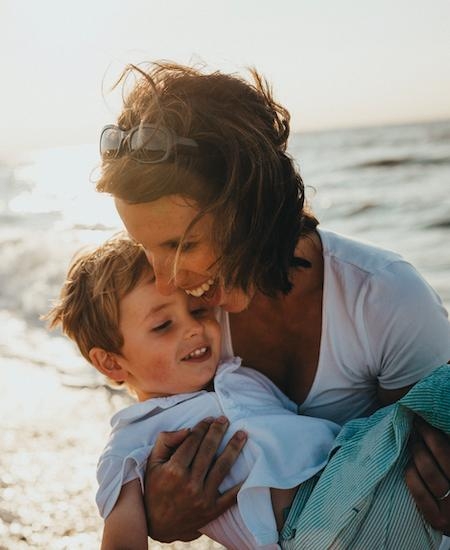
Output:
[[51, 438]]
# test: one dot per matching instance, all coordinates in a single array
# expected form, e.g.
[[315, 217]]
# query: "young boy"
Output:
[[166, 349]]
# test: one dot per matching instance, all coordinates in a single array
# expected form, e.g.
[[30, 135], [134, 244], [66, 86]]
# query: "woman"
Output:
[[201, 178]]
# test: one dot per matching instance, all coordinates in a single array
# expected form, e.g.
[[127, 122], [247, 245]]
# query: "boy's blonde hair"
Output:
[[88, 308]]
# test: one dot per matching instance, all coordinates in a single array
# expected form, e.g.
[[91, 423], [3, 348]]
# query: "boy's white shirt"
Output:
[[282, 451]]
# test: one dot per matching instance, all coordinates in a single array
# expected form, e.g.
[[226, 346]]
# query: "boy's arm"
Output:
[[126, 527]]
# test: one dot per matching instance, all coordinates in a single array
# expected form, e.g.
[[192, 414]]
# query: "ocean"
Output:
[[389, 185]]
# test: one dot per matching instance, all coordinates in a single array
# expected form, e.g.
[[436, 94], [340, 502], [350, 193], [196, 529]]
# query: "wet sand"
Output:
[[50, 438]]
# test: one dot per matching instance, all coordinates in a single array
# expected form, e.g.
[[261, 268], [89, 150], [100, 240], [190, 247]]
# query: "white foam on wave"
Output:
[[36, 346]]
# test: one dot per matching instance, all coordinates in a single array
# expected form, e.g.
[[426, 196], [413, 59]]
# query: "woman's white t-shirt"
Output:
[[382, 324]]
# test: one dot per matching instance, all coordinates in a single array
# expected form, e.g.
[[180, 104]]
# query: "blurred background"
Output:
[[368, 88]]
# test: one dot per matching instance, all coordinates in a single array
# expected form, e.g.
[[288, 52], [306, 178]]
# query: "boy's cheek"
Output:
[[217, 335]]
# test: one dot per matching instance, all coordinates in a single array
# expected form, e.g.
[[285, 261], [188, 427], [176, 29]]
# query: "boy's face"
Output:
[[171, 343]]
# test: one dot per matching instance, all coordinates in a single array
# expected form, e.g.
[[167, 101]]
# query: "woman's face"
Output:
[[159, 226]]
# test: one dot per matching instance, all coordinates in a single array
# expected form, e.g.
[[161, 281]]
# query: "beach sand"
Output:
[[50, 438]]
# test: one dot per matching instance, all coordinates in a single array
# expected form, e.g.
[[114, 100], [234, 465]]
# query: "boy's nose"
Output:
[[193, 328]]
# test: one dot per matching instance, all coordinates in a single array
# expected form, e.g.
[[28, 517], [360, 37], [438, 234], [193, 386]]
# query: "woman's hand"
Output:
[[428, 474], [183, 477]]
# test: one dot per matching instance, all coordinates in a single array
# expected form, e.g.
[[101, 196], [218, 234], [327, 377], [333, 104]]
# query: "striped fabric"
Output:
[[360, 501]]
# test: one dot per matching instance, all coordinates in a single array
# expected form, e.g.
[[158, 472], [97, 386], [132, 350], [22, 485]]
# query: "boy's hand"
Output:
[[182, 480], [428, 475]]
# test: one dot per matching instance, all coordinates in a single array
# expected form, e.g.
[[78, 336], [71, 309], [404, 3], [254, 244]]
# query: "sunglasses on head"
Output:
[[152, 143]]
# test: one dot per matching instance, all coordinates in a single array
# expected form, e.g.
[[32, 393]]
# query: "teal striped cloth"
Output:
[[360, 500]]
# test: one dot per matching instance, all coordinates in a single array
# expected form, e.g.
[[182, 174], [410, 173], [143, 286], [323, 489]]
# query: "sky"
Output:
[[332, 63]]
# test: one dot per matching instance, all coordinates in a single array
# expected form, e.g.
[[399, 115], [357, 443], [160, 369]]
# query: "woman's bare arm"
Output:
[[125, 527], [183, 477]]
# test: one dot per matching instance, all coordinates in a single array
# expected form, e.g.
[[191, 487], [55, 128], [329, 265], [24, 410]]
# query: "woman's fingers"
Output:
[[166, 444], [208, 448], [227, 499], [437, 442], [205, 429], [225, 461], [181, 483], [435, 512], [424, 500], [428, 468], [428, 475]]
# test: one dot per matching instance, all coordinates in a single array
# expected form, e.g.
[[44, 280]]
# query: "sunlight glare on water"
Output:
[[61, 180], [386, 185]]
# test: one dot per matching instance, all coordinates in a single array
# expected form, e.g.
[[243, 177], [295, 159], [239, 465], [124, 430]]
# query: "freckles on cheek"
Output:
[[158, 369], [203, 260]]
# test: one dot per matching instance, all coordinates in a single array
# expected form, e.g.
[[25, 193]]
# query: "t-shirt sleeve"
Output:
[[407, 326], [113, 472]]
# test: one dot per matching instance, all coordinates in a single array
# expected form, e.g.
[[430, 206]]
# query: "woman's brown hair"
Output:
[[240, 172]]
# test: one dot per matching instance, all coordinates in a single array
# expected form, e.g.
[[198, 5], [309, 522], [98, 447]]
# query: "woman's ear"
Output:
[[107, 363]]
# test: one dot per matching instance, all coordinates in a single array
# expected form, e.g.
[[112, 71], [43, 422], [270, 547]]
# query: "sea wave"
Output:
[[387, 185], [402, 161]]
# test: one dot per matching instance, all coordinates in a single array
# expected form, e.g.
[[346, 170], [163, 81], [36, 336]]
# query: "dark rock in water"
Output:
[[385, 163], [365, 207], [403, 161], [440, 224]]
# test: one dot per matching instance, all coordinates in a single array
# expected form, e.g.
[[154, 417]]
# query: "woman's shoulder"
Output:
[[394, 315], [355, 254], [357, 272], [378, 283]]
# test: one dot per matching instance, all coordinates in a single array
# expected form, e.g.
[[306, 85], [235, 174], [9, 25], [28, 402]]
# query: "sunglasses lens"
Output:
[[150, 142], [110, 142]]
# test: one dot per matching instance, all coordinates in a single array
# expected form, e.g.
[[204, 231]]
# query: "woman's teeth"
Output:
[[199, 291], [196, 353]]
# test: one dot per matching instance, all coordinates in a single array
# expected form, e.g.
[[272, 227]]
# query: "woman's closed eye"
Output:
[[186, 246]]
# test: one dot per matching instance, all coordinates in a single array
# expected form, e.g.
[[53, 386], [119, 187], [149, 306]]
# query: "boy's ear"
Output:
[[107, 363]]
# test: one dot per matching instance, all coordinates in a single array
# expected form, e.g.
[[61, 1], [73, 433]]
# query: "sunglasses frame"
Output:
[[125, 139]]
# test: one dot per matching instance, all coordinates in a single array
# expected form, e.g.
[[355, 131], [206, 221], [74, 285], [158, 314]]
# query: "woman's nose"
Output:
[[163, 270], [165, 286]]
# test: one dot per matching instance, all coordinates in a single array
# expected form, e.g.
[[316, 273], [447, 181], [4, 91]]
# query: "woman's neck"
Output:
[[281, 336]]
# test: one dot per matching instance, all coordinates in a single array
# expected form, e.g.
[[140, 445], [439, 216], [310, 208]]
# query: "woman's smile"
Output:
[[200, 290], [181, 256]]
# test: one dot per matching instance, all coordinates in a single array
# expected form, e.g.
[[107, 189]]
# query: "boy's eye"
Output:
[[162, 326]]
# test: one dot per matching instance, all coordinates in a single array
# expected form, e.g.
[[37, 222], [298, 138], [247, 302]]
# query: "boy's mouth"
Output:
[[198, 354]]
